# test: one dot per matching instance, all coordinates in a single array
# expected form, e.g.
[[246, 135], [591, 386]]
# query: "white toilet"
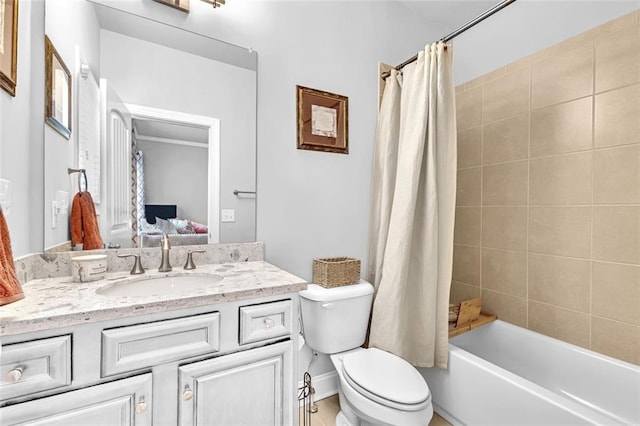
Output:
[[376, 387]]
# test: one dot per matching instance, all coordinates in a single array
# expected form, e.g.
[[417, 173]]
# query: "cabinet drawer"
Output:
[[266, 321], [35, 366], [141, 346]]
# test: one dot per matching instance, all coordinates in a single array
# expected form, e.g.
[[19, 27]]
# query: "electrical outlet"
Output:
[[228, 215]]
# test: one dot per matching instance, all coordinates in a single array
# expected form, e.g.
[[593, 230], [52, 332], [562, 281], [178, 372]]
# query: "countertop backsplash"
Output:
[[58, 264]]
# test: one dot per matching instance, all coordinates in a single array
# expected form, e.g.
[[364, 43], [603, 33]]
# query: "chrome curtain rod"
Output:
[[457, 32]]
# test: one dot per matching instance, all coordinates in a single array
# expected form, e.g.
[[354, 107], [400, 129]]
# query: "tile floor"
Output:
[[329, 407]]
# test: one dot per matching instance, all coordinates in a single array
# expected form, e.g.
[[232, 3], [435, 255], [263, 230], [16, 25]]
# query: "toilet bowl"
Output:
[[375, 387]]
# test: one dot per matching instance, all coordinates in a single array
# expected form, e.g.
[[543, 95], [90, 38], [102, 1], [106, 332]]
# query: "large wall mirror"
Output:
[[163, 123]]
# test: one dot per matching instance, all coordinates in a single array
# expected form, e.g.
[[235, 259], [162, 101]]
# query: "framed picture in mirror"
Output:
[[182, 5], [8, 45], [323, 123], [58, 91]]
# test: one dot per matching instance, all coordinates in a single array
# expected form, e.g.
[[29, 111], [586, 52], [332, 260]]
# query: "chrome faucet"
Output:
[[165, 265]]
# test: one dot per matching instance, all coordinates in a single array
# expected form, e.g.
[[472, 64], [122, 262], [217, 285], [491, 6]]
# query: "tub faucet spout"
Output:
[[165, 265]]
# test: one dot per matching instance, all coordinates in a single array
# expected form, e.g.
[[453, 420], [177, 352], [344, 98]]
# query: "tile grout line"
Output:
[[526, 261], [593, 189]]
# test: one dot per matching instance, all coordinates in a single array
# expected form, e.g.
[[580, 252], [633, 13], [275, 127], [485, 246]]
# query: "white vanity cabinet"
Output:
[[123, 402], [230, 363], [252, 387]]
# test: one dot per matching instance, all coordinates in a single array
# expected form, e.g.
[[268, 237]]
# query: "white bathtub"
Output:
[[504, 374]]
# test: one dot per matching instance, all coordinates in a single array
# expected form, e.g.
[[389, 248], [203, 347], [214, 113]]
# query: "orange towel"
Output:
[[10, 289], [84, 222]]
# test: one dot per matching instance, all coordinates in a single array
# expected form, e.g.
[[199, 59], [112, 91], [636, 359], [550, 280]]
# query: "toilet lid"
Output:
[[386, 376]]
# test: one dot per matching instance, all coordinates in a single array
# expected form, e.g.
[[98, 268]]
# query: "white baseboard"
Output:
[[325, 384]]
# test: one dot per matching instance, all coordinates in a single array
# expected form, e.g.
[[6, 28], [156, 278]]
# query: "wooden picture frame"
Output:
[[182, 5], [58, 91], [323, 121], [9, 45]]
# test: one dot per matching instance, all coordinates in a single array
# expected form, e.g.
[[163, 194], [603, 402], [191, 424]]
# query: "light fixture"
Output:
[[215, 3]]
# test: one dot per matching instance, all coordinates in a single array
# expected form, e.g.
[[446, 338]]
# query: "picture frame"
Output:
[[58, 91], [322, 121], [181, 5], [9, 45]]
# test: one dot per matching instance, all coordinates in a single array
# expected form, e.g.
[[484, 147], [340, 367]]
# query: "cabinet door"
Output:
[[253, 387], [123, 402]]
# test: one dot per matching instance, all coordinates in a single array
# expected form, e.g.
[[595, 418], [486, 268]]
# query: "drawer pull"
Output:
[[14, 375], [187, 394], [141, 406], [269, 323]]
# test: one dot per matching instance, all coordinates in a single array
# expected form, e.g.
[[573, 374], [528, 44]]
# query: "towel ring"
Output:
[[81, 173]]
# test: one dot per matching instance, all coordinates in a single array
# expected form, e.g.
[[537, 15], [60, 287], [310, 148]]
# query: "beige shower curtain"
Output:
[[412, 210]]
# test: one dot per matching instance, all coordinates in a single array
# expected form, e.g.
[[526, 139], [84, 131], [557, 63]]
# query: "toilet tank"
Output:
[[336, 319]]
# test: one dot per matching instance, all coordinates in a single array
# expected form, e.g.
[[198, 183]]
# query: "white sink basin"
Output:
[[158, 286]]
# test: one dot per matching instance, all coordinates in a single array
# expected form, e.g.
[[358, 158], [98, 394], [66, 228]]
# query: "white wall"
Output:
[[152, 75], [174, 174], [21, 134], [68, 23]]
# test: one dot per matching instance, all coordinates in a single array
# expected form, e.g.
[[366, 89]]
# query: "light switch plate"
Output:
[[228, 215]]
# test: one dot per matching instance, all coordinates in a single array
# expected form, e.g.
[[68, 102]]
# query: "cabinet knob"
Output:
[[141, 406], [187, 394], [269, 323], [14, 375]]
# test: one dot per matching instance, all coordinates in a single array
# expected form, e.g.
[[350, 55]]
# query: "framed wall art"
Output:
[[58, 86], [8, 45], [323, 122], [182, 5]]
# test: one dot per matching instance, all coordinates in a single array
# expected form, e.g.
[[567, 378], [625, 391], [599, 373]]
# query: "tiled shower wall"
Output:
[[548, 203]]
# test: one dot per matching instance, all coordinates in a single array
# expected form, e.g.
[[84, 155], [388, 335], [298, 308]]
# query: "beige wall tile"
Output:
[[562, 231], [561, 180], [562, 78], [467, 226], [616, 339], [505, 184], [583, 40], [469, 109], [563, 324], [505, 271], [468, 187], [470, 147], [508, 308], [485, 78], [561, 128], [466, 264], [617, 175], [618, 24], [616, 233], [560, 281], [506, 140], [504, 227], [616, 292], [462, 291], [506, 96], [616, 116], [618, 59]]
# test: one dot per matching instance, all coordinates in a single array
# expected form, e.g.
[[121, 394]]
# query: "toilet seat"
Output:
[[386, 379]]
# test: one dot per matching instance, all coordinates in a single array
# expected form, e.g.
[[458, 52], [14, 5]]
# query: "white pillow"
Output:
[[149, 229], [165, 226]]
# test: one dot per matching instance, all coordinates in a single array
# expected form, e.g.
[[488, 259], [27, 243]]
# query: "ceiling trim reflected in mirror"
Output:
[[177, 38]]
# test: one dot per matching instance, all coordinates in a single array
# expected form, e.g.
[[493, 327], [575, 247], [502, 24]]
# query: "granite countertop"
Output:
[[60, 302]]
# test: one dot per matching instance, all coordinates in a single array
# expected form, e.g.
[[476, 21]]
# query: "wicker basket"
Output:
[[336, 271]]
